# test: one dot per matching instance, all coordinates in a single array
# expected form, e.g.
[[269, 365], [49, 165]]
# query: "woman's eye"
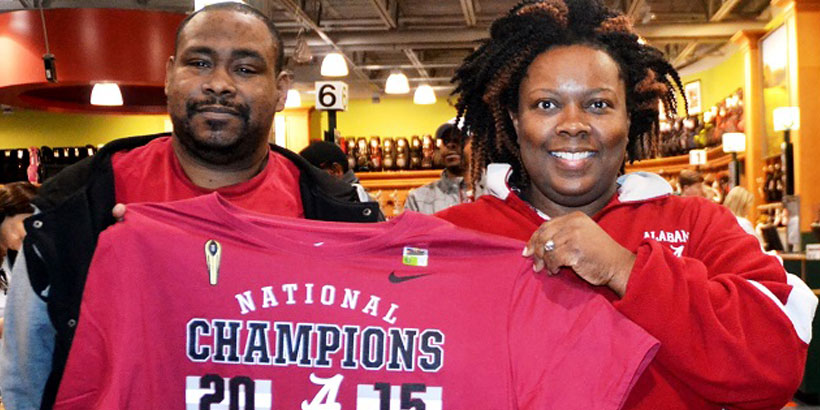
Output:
[[600, 105], [546, 105]]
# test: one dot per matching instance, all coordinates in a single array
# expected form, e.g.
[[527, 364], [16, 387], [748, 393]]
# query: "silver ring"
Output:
[[549, 246]]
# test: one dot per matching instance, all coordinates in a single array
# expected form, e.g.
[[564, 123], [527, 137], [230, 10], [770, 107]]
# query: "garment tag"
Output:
[[414, 256]]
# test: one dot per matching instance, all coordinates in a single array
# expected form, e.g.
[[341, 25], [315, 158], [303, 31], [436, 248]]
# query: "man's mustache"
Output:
[[195, 106]]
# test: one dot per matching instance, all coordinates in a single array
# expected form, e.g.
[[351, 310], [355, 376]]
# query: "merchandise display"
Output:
[[703, 130], [375, 154], [38, 164]]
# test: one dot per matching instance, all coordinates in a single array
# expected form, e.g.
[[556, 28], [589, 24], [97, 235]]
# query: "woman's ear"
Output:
[[514, 118]]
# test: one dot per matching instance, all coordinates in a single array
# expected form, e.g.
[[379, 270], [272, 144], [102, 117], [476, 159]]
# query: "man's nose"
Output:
[[219, 83]]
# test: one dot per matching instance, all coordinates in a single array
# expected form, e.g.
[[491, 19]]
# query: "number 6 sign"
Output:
[[331, 96]]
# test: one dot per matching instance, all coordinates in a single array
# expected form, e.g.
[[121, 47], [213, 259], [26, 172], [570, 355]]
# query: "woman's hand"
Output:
[[578, 243]]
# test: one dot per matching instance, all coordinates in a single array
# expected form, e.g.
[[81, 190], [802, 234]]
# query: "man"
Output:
[[224, 84], [452, 188], [329, 157], [691, 183]]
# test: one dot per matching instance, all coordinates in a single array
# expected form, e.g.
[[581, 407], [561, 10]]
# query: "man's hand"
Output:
[[119, 212], [578, 243]]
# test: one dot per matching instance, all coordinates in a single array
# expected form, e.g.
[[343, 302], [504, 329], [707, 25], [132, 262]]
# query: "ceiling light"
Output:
[[424, 95], [334, 65], [106, 94], [198, 4], [293, 100], [397, 84]]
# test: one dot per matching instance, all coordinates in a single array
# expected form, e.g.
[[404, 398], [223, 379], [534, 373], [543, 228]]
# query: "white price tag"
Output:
[[813, 252]]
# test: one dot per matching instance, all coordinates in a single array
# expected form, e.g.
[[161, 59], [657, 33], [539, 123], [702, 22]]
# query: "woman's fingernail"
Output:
[[526, 252]]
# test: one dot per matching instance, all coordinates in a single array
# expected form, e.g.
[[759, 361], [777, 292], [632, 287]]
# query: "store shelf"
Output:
[[717, 160], [397, 179], [390, 188], [769, 207]]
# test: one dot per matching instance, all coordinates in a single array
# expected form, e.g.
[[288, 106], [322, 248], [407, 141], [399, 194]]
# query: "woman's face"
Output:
[[572, 128], [12, 232]]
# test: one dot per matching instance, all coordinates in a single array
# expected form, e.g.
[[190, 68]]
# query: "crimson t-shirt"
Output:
[[152, 173], [198, 304]]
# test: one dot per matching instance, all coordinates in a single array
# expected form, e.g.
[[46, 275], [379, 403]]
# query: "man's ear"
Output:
[[283, 81], [169, 69]]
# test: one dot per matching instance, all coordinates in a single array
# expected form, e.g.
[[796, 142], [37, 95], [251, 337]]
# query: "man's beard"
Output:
[[239, 151]]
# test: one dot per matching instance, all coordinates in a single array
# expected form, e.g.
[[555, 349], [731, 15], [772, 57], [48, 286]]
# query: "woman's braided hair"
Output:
[[488, 80]]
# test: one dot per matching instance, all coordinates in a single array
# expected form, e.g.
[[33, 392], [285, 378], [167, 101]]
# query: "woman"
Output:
[[563, 93], [738, 201], [15, 205]]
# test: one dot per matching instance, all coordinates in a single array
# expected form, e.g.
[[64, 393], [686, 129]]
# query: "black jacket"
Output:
[[76, 207]]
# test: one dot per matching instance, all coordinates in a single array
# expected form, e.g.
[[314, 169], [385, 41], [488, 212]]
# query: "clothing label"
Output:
[[414, 256]]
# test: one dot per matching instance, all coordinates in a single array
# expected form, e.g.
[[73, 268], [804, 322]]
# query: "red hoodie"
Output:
[[734, 327]]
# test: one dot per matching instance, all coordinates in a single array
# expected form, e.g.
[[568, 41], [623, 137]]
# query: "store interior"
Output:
[[749, 68]]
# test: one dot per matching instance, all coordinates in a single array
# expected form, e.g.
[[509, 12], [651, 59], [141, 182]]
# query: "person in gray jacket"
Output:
[[224, 85], [452, 188]]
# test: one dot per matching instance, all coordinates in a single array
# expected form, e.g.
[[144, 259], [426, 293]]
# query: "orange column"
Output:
[[748, 41], [803, 17]]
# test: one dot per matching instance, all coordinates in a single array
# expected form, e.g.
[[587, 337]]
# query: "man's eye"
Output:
[[246, 70], [198, 64]]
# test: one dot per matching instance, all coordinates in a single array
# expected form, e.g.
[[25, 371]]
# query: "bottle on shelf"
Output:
[[402, 153], [415, 152], [427, 150], [351, 153], [375, 154], [389, 154], [362, 155]]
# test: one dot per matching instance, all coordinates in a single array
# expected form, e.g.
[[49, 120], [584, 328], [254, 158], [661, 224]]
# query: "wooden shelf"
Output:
[[716, 160], [390, 187], [769, 207], [398, 179]]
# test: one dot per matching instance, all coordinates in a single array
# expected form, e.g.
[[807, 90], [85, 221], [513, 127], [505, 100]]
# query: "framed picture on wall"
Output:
[[774, 56], [692, 91]]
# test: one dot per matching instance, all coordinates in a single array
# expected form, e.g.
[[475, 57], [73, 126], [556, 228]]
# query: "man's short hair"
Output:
[[323, 153], [245, 9], [688, 177]]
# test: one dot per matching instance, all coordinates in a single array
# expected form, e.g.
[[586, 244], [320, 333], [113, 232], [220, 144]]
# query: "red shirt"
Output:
[[733, 326], [152, 173], [308, 314]]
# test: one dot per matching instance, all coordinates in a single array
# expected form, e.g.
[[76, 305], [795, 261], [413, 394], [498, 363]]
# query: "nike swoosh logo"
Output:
[[393, 278]]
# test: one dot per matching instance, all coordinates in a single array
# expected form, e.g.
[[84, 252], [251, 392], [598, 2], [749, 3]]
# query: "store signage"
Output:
[[813, 252], [697, 157], [331, 96]]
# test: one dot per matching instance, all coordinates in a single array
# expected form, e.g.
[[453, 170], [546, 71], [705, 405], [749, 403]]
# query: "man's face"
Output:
[[453, 150], [222, 87]]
